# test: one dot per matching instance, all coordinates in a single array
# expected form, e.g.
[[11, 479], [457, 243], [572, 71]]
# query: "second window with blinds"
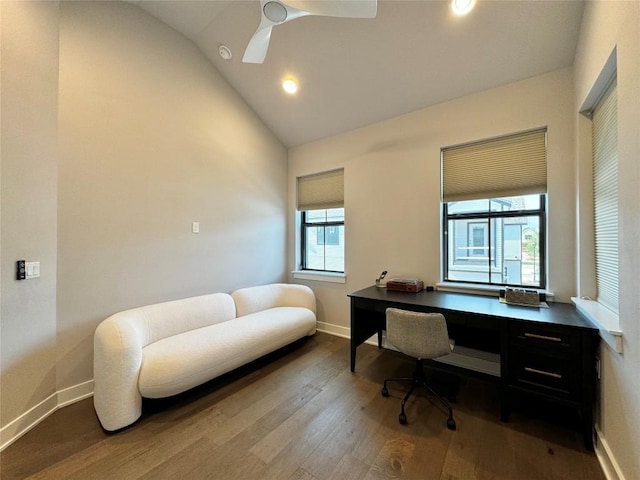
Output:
[[493, 201]]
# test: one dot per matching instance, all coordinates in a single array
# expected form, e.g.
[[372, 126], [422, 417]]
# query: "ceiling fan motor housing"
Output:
[[275, 11]]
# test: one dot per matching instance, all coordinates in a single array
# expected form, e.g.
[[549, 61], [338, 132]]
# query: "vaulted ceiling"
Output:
[[354, 72]]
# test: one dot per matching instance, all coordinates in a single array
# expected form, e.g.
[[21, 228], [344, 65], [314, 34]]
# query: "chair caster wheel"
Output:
[[385, 392], [451, 424], [402, 418]]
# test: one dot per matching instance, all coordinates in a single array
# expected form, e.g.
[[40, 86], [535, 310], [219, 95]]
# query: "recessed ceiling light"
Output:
[[225, 52], [290, 85], [462, 7]]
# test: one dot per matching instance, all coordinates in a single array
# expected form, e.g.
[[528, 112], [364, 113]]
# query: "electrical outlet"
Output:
[[195, 227]]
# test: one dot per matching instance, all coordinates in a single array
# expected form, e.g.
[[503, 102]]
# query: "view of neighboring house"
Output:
[[496, 250]]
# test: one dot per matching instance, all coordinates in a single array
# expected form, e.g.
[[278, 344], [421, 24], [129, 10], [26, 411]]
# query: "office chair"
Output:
[[422, 336]]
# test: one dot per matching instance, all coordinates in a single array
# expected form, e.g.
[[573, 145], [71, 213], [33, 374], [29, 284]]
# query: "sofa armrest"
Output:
[[256, 299], [118, 343]]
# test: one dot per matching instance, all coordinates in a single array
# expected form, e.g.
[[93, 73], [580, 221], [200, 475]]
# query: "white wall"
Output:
[[152, 139], [609, 25], [120, 130], [392, 184], [29, 162]]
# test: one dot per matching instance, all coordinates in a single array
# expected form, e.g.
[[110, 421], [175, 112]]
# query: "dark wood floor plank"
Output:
[[300, 414], [331, 407], [301, 474], [345, 434], [350, 468], [392, 460], [205, 460]]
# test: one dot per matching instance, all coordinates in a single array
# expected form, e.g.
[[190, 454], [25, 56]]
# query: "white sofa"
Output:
[[164, 349]]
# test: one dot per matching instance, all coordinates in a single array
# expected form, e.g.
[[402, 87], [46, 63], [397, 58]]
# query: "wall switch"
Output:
[[21, 270], [32, 270], [195, 227]]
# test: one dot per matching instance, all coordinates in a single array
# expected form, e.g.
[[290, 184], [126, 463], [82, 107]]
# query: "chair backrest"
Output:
[[420, 335]]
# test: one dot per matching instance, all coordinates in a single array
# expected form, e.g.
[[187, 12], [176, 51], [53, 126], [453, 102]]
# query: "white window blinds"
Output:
[[605, 197], [320, 191], [499, 167]]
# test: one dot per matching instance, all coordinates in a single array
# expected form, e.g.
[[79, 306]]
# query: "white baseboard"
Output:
[[608, 463], [25, 422], [75, 394], [344, 332], [32, 417], [337, 330]]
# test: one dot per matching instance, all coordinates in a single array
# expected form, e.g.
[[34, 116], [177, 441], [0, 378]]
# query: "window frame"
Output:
[[488, 217], [303, 239]]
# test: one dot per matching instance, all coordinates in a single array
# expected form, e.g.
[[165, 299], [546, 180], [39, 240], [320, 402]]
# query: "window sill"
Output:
[[466, 288], [492, 290], [603, 318], [330, 277]]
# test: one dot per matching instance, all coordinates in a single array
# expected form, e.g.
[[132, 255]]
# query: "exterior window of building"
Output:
[[323, 240], [495, 241], [478, 238]]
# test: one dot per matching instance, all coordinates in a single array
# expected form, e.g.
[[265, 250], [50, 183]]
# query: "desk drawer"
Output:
[[544, 338], [543, 373]]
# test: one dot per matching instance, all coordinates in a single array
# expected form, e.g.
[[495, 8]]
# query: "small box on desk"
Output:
[[405, 285]]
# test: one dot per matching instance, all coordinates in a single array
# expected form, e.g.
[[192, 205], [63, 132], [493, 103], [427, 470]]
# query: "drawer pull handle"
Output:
[[542, 337], [542, 372]]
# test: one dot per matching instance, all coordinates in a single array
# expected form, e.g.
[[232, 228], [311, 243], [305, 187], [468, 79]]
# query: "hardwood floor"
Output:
[[302, 415]]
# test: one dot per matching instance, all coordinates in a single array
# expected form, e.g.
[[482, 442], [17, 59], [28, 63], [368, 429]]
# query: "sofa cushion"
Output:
[[178, 363]]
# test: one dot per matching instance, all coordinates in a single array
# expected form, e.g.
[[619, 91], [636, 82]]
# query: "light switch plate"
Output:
[[32, 270]]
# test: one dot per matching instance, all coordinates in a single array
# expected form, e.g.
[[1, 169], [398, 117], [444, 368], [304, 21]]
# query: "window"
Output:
[[478, 238], [323, 240], [599, 256], [494, 211], [605, 197], [321, 203], [495, 241]]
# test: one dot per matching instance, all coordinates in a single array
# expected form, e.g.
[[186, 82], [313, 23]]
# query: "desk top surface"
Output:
[[557, 313]]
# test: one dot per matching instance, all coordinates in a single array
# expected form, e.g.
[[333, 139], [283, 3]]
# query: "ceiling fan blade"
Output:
[[277, 12], [259, 43], [272, 13], [335, 8]]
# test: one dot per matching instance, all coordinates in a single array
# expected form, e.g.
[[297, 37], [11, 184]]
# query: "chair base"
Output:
[[417, 380]]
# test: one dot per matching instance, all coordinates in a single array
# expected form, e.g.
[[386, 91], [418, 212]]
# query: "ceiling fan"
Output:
[[277, 12]]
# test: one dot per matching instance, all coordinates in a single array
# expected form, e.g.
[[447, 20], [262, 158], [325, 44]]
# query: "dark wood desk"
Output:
[[544, 352]]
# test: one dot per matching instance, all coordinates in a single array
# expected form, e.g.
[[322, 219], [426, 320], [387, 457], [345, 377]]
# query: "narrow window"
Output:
[[321, 204], [323, 240], [605, 197]]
